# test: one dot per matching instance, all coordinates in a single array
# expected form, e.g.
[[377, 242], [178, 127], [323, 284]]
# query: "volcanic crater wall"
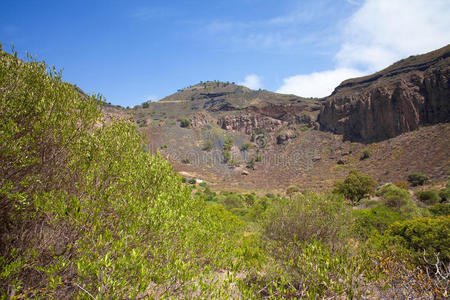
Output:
[[410, 93]]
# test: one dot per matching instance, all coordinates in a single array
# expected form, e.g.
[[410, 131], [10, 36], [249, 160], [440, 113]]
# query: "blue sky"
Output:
[[133, 51]]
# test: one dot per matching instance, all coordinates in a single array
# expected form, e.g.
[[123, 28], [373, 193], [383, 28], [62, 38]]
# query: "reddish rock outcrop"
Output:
[[248, 123], [410, 93]]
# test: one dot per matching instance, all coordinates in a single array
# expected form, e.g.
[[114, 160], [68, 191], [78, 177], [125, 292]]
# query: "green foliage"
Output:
[[185, 122], [145, 105], [304, 128], [309, 216], [377, 218], [365, 154], [355, 186], [186, 161], [424, 234], [227, 148], [246, 146], [417, 178], [441, 209], [444, 194], [192, 181], [164, 146], [402, 184], [228, 143], [392, 195], [428, 197]]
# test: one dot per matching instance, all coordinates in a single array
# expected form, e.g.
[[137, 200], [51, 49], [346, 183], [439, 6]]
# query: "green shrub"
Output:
[[444, 194], [441, 209], [192, 181], [402, 184], [355, 186], [228, 143], [185, 122], [424, 234], [392, 195], [377, 219], [246, 146], [309, 216], [185, 161], [365, 154], [145, 105], [164, 146], [416, 178], [226, 156], [428, 197]]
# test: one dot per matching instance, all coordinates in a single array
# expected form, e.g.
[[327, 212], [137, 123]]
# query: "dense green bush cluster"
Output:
[[417, 178], [355, 186], [185, 122]]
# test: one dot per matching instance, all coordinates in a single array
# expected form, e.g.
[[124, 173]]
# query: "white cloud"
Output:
[[379, 33], [317, 84], [252, 81]]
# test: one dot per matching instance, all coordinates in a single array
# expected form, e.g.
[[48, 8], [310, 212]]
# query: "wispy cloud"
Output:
[[252, 81], [280, 33], [379, 33]]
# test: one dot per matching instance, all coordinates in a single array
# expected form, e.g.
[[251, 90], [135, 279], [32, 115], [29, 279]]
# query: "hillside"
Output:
[[411, 93], [279, 140]]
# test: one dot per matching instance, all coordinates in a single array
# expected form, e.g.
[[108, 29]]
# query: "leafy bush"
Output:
[[365, 154], [227, 148], [246, 146], [441, 209], [185, 122], [402, 184], [145, 105], [192, 181], [424, 234], [428, 197], [377, 219], [185, 161], [308, 216], [392, 195], [228, 143], [416, 178], [355, 186], [444, 194]]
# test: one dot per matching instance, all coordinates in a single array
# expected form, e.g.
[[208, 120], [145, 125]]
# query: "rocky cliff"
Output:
[[410, 93]]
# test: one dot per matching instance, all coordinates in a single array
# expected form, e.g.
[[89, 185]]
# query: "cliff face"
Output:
[[408, 94]]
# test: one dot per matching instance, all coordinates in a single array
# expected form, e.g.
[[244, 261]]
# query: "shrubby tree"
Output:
[[417, 178], [355, 186]]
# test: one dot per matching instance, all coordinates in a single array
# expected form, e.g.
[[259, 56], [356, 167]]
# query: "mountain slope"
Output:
[[410, 93]]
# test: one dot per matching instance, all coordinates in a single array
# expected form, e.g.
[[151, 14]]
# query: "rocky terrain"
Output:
[[399, 115], [410, 93]]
